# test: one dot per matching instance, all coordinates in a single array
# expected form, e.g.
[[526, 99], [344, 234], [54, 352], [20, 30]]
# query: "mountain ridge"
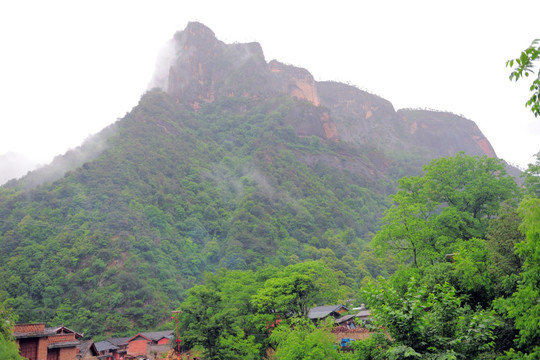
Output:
[[198, 74]]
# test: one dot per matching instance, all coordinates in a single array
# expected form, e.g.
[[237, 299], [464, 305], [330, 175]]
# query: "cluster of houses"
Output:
[[38, 342]]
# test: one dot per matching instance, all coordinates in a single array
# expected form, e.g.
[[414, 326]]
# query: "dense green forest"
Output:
[[466, 286], [114, 244]]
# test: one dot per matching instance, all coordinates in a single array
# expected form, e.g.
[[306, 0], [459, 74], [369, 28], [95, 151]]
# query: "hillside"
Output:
[[229, 161]]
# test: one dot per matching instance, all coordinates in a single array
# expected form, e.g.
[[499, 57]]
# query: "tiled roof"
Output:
[[153, 336], [321, 312], [119, 341], [105, 345], [62, 329], [158, 335], [21, 331], [344, 318]]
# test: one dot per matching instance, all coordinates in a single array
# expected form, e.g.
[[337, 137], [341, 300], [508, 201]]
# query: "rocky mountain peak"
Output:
[[196, 68]]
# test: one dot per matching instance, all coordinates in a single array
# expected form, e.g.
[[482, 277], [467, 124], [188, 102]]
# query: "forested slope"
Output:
[[116, 242], [234, 163]]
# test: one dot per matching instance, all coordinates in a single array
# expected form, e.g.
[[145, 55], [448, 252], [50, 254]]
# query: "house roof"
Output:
[[119, 341], [87, 348], [344, 318], [105, 345], [153, 336], [320, 312], [158, 335], [21, 331], [63, 330]]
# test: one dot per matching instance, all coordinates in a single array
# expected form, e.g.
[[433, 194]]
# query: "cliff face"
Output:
[[201, 68], [442, 133]]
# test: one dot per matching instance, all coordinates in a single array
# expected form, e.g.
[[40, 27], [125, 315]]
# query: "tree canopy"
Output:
[[525, 65], [454, 200]]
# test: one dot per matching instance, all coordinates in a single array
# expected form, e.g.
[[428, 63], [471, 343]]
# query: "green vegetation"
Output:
[[115, 244], [472, 292], [524, 67], [8, 347]]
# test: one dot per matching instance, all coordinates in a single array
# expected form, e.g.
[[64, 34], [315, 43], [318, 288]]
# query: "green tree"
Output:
[[524, 305], [299, 339], [8, 348], [456, 198], [532, 177], [297, 288], [429, 324], [524, 68], [217, 317]]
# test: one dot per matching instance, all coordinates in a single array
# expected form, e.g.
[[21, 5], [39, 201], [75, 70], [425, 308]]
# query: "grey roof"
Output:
[[119, 341], [157, 335], [344, 318], [320, 312], [105, 345]]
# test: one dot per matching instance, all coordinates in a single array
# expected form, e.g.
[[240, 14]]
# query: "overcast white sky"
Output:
[[70, 68]]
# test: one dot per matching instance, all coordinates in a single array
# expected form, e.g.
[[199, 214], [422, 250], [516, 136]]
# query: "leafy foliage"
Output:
[[8, 348], [300, 339], [233, 313], [523, 305], [524, 68], [532, 177], [430, 324], [455, 199]]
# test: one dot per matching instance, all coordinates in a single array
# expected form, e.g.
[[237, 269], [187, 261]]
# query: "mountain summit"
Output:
[[196, 68]]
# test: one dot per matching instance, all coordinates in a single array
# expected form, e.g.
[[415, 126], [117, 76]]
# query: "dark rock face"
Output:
[[202, 68]]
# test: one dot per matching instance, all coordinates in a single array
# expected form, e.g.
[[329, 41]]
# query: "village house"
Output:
[[148, 343], [322, 312], [113, 348], [352, 327], [36, 342], [107, 351]]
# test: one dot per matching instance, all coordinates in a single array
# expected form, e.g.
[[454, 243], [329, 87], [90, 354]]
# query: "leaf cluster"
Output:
[[525, 65]]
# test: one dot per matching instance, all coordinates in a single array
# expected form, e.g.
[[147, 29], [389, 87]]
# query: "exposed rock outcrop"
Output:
[[196, 68]]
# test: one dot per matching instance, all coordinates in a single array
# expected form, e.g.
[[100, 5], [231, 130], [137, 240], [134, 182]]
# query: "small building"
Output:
[[351, 327], [39, 343], [347, 321], [145, 343], [121, 345], [322, 312], [107, 351]]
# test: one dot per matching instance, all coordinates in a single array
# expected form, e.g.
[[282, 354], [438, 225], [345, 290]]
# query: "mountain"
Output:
[[229, 161], [200, 68]]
